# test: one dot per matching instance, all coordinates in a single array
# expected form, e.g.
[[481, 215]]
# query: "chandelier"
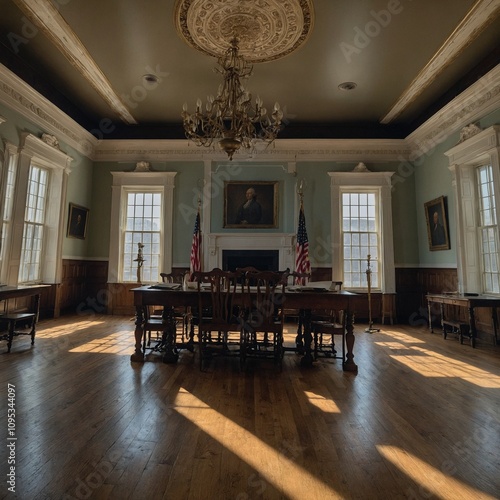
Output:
[[230, 118]]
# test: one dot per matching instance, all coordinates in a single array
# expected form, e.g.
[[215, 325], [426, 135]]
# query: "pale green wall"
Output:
[[413, 184], [79, 180], [188, 182], [433, 179], [189, 185]]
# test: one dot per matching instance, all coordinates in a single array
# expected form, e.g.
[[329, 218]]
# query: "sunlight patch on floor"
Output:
[[432, 481], [59, 331], [116, 343], [431, 364], [392, 345], [253, 450], [402, 337], [324, 404]]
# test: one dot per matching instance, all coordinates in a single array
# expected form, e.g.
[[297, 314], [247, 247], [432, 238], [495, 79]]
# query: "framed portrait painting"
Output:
[[437, 224], [251, 204], [77, 221]]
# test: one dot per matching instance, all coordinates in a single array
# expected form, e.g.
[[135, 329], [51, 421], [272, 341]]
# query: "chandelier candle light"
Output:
[[230, 118]]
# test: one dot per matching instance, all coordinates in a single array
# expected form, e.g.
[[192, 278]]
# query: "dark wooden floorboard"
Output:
[[420, 420]]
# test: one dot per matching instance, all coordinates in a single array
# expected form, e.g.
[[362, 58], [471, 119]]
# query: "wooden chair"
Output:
[[324, 329], [219, 334], [153, 323], [262, 334], [297, 315], [180, 315], [15, 324], [325, 325]]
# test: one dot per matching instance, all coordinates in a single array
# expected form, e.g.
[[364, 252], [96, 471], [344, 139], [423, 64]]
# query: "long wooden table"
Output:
[[306, 300], [470, 302]]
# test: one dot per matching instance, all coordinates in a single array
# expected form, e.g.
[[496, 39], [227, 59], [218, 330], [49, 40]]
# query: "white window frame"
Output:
[[124, 182], [376, 263], [379, 182], [480, 149], [124, 231], [10, 160], [34, 150], [35, 218]]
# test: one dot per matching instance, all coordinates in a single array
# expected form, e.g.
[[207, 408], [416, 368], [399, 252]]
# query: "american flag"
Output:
[[302, 263], [195, 260]]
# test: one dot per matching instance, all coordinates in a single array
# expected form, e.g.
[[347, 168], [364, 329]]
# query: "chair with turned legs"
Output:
[[325, 330], [219, 328], [15, 324], [262, 334]]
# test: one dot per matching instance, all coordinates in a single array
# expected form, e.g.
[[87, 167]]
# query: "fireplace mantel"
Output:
[[283, 242]]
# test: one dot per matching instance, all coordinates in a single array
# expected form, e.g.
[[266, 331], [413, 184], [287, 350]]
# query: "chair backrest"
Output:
[[222, 287], [173, 277], [264, 295]]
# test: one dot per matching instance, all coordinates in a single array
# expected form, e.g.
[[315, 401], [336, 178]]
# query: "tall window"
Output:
[[142, 207], [143, 226], [488, 229], [360, 235], [362, 225], [9, 200], [33, 231]]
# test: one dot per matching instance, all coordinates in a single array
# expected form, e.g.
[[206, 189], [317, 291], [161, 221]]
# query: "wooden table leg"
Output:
[[472, 325], [430, 315], [299, 343], [168, 339], [307, 358], [495, 323], [349, 364], [443, 326], [138, 333]]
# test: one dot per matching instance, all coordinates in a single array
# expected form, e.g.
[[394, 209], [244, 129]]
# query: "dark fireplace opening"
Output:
[[263, 260]]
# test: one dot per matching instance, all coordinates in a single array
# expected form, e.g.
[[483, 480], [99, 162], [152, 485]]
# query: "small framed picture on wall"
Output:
[[437, 224], [77, 221]]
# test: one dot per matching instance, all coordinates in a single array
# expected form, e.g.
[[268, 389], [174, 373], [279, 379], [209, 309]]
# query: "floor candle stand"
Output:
[[370, 328]]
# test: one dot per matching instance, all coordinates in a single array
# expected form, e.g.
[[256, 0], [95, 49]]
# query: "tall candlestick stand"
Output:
[[140, 261], [370, 328]]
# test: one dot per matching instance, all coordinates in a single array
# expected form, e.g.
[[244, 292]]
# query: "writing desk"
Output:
[[307, 300], [469, 302]]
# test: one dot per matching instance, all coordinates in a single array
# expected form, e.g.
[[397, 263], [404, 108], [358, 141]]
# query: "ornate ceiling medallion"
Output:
[[266, 29]]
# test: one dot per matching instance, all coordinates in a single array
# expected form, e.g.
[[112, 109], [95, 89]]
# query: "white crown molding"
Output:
[[480, 99], [479, 16], [44, 14], [20, 97], [368, 150]]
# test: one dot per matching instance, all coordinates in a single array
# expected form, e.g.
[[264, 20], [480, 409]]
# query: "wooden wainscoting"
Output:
[[412, 284], [83, 287]]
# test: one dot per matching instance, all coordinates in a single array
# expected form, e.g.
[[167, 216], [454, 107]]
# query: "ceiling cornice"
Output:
[[477, 19], [482, 98], [370, 150], [44, 15], [20, 97]]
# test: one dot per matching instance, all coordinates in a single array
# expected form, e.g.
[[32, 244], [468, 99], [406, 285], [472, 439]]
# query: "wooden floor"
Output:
[[420, 420]]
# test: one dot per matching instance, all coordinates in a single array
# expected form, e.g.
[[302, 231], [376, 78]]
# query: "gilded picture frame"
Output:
[[78, 218], [251, 204], [437, 224]]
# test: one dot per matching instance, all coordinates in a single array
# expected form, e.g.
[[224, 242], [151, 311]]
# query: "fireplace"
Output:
[[275, 251], [263, 260]]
